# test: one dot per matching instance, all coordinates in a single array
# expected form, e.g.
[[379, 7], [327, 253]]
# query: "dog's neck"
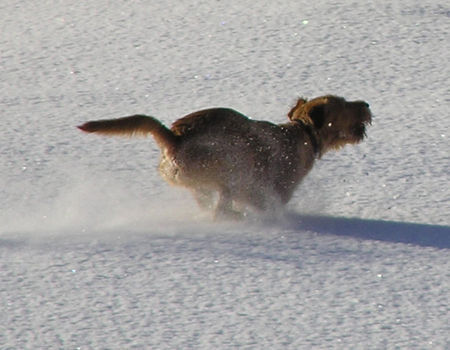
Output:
[[313, 137]]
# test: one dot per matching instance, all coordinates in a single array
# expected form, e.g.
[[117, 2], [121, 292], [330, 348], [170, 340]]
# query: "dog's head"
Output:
[[336, 122]]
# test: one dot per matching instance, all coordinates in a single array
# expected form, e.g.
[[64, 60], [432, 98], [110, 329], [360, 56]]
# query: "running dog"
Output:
[[247, 163]]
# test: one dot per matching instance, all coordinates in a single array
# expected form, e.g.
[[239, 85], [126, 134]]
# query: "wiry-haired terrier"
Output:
[[248, 163]]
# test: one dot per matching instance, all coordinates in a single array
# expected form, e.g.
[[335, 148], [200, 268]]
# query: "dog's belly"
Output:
[[253, 169], [210, 165], [195, 172]]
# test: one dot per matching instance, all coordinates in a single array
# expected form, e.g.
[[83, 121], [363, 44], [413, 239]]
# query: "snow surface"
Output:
[[97, 252]]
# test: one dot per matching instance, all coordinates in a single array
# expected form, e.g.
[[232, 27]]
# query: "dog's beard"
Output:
[[359, 131], [356, 134]]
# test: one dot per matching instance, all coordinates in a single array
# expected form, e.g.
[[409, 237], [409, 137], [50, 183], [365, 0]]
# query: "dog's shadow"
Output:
[[388, 231]]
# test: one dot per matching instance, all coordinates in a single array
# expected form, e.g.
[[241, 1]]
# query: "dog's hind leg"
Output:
[[224, 208], [204, 198]]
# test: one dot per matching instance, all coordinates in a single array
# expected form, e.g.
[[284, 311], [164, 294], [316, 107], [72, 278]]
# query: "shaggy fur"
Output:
[[249, 163]]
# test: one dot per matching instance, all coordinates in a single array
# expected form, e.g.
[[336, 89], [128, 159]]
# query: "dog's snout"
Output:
[[359, 104], [368, 113]]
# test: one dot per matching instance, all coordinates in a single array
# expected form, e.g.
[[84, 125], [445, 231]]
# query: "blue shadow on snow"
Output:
[[386, 231]]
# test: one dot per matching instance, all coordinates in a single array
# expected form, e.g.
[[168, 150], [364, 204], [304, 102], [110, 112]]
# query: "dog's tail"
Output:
[[133, 125]]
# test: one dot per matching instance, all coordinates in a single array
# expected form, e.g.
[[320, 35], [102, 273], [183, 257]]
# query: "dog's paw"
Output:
[[228, 215]]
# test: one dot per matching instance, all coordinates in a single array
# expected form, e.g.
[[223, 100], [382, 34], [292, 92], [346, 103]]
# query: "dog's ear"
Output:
[[294, 113], [317, 115]]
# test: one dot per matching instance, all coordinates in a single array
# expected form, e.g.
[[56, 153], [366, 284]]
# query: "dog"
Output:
[[232, 163]]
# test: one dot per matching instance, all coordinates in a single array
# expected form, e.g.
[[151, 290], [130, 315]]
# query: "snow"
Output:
[[97, 252]]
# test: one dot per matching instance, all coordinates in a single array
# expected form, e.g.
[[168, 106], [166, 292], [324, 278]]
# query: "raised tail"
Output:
[[133, 125]]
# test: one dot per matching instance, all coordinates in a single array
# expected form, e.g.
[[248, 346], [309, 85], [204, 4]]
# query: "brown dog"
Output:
[[247, 162]]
